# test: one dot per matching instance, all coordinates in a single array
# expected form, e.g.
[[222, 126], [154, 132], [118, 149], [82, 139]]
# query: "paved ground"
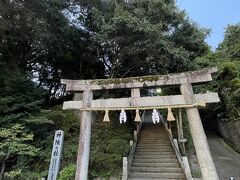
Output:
[[227, 161]]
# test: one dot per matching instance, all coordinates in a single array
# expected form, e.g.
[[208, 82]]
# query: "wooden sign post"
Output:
[[56, 155]]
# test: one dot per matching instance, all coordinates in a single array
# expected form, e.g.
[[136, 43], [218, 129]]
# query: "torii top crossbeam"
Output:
[[199, 76], [191, 77]]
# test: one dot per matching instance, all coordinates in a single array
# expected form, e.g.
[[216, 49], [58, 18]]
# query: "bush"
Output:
[[68, 173], [109, 143], [118, 146], [230, 71]]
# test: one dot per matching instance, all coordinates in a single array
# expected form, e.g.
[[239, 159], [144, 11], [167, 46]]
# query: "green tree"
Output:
[[19, 97], [227, 81], [230, 47], [39, 41], [15, 142], [145, 37], [20, 104]]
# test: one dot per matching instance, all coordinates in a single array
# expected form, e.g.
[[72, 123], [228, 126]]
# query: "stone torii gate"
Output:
[[187, 99]]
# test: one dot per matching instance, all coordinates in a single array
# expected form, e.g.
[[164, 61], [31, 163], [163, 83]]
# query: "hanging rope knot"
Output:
[[106, 117], [137, 117], [170, 116]]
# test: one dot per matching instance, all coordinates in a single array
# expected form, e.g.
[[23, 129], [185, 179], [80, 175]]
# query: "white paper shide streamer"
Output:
[[122, 117], [155, 116]]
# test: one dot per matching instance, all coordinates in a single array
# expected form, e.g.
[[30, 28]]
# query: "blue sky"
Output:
[[213, 14]]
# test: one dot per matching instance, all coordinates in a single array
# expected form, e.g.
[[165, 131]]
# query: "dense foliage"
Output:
[[227, 81], [146, 37]]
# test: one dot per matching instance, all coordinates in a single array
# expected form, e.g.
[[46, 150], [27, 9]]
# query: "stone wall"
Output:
[[230, 131]]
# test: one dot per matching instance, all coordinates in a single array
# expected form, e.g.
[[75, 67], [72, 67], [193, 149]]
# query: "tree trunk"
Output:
[[4, 166]]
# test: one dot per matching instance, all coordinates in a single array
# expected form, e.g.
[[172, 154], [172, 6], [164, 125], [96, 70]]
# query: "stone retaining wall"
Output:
[[230, 131]]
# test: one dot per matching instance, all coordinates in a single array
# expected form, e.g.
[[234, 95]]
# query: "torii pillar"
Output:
[[199, 137], [84, 138]]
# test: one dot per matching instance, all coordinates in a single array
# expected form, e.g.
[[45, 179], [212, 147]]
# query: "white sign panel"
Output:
[[56, 155]]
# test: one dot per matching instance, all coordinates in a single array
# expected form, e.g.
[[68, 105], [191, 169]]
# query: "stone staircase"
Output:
[[155, 157]]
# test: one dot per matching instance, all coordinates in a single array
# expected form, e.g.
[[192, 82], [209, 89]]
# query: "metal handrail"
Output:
[[182, 159], [172, 141]]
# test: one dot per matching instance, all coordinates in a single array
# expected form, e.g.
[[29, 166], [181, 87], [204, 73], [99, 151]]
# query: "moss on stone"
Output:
[[117, 81]]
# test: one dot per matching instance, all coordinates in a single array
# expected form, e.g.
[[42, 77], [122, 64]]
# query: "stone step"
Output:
[[154, 156], [153, 140], [156, 169], [145, 129], [154, 153], [150, 130], [153, 132], [153, 135], [155, 160], [164, 137], [153, 150], [157, 143], [157, 175], [154, 127], [159, 164], [154, 145], [132, 178], [160, 144]]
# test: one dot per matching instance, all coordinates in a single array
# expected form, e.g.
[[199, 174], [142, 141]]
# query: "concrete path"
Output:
[[227, 161]]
